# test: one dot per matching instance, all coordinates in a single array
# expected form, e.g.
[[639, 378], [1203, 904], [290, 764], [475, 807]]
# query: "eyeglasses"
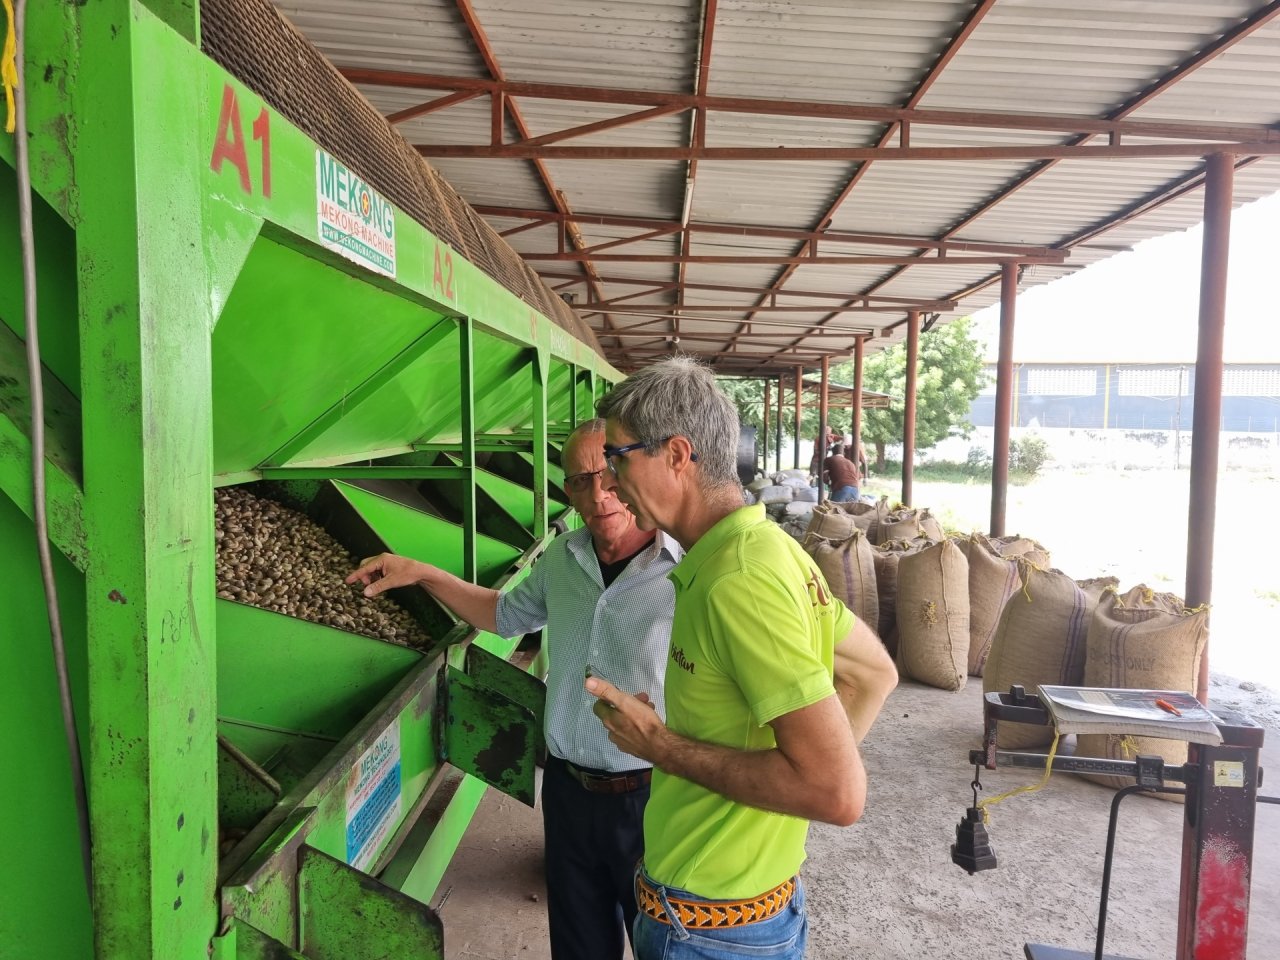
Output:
[[581, 482], [611, 454]]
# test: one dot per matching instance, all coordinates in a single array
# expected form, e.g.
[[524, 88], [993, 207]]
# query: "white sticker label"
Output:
[[1228, 773], [352, 218], [373, 798]]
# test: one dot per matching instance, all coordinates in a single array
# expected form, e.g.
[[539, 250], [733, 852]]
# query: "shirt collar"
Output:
[[711, 541], [581, 547]]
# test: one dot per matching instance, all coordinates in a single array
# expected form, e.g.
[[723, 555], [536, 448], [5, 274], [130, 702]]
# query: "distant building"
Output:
[[1131, 396]]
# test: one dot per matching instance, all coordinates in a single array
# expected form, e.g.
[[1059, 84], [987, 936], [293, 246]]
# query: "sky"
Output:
[[1142, 305]]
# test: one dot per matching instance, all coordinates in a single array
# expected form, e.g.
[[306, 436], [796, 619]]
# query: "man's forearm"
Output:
[[765, 778], [475, 604]]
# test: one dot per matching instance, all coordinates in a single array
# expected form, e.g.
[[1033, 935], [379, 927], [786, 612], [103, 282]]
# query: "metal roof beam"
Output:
[[826, 261], [505, 106], [869, 113], [1243, 29], [952, 47], [1115, 150], [731, 307], [730, 288], [541, 217]]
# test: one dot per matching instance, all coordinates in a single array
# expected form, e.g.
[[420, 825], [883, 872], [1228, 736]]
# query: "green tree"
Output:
[[748, 395], [949, 376]]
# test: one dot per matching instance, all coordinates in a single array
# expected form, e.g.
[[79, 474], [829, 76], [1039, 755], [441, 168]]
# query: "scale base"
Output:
[[1038, 951]]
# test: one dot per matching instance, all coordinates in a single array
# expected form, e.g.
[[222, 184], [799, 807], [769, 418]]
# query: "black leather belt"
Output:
[[610, 783]]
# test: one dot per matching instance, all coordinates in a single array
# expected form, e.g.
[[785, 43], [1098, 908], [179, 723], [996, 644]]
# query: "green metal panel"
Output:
[[45, 912], [63, 500], [341, 907], [283, 673], [55, 252], [490, 737], [286, 350], [428, 538], [145, 384]]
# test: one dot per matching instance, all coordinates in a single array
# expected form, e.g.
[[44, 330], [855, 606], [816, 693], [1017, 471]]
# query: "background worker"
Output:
[[840, 474], [770, 684], [822, 447], [603, 595]]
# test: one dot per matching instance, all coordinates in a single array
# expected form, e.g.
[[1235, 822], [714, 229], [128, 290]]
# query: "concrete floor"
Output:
[[885, 889]]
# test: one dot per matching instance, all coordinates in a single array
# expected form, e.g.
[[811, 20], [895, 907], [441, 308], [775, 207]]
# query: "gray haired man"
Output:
[[770, 684]]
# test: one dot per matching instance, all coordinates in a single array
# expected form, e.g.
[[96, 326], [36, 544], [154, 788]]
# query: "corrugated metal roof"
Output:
[[1093, 59]]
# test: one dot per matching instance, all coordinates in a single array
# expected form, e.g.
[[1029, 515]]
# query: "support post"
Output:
[[573, 395], [1206, 417], [541, 362], [764, 424], [467, 401], [821, 442], [1004, 400], [799, 410], [855, 427], [145, 316], [909, 407], [777, 428]]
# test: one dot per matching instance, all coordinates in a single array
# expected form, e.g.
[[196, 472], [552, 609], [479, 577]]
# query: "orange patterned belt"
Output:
[[704, 914]]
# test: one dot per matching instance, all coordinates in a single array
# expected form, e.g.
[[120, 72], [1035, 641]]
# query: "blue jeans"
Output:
[[844, 494], [781, 937]]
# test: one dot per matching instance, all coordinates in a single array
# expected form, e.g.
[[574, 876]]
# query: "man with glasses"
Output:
[[603, 596], [770, 684]]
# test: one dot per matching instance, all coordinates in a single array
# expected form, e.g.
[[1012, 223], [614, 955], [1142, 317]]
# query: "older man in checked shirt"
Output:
[[603, 595]]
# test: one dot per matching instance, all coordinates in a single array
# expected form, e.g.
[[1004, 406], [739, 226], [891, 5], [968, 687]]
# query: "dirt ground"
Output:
[[885, 888]]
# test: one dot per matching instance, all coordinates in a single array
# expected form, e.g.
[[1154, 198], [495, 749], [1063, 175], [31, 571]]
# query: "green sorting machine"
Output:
[[241, 290]]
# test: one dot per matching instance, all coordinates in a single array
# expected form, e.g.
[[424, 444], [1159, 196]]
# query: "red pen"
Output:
[[1168, 707]]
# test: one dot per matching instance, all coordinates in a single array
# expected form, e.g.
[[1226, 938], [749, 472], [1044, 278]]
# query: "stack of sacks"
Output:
[[1040, 638], [849, 569], [837, 521], [1142, 640], [908, 524], [886, 557], [933, 616], [1016, 546], [993, 579]]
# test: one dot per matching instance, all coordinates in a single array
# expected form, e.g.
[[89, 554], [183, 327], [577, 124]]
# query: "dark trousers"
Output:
[[593, 842]]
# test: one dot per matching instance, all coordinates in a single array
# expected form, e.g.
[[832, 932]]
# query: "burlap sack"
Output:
[[1040, 638], [1094, 589], [1016, 546], [900, 525], [931, 526], [886, 557], [849, 567], [837, 521], [1142, 640], [993, 579], [933, 616]]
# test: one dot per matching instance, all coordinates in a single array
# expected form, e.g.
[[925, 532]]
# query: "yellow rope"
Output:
[[9, 66], [986, 802]]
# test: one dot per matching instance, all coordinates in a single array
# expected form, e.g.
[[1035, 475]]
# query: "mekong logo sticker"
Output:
[[352, 218], [373, 800]]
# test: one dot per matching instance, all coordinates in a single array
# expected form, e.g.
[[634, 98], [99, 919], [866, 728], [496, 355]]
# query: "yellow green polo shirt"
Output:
[[753, 638]]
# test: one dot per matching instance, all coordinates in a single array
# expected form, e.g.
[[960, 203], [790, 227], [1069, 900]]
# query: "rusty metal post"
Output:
[[1004, 399], [909, 405], [821, 443], [855, 426], [1206, 416], [777, 427], [799, 410], [764, 424]]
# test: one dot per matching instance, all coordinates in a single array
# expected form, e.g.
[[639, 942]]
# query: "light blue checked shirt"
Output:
[[623, 631]]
